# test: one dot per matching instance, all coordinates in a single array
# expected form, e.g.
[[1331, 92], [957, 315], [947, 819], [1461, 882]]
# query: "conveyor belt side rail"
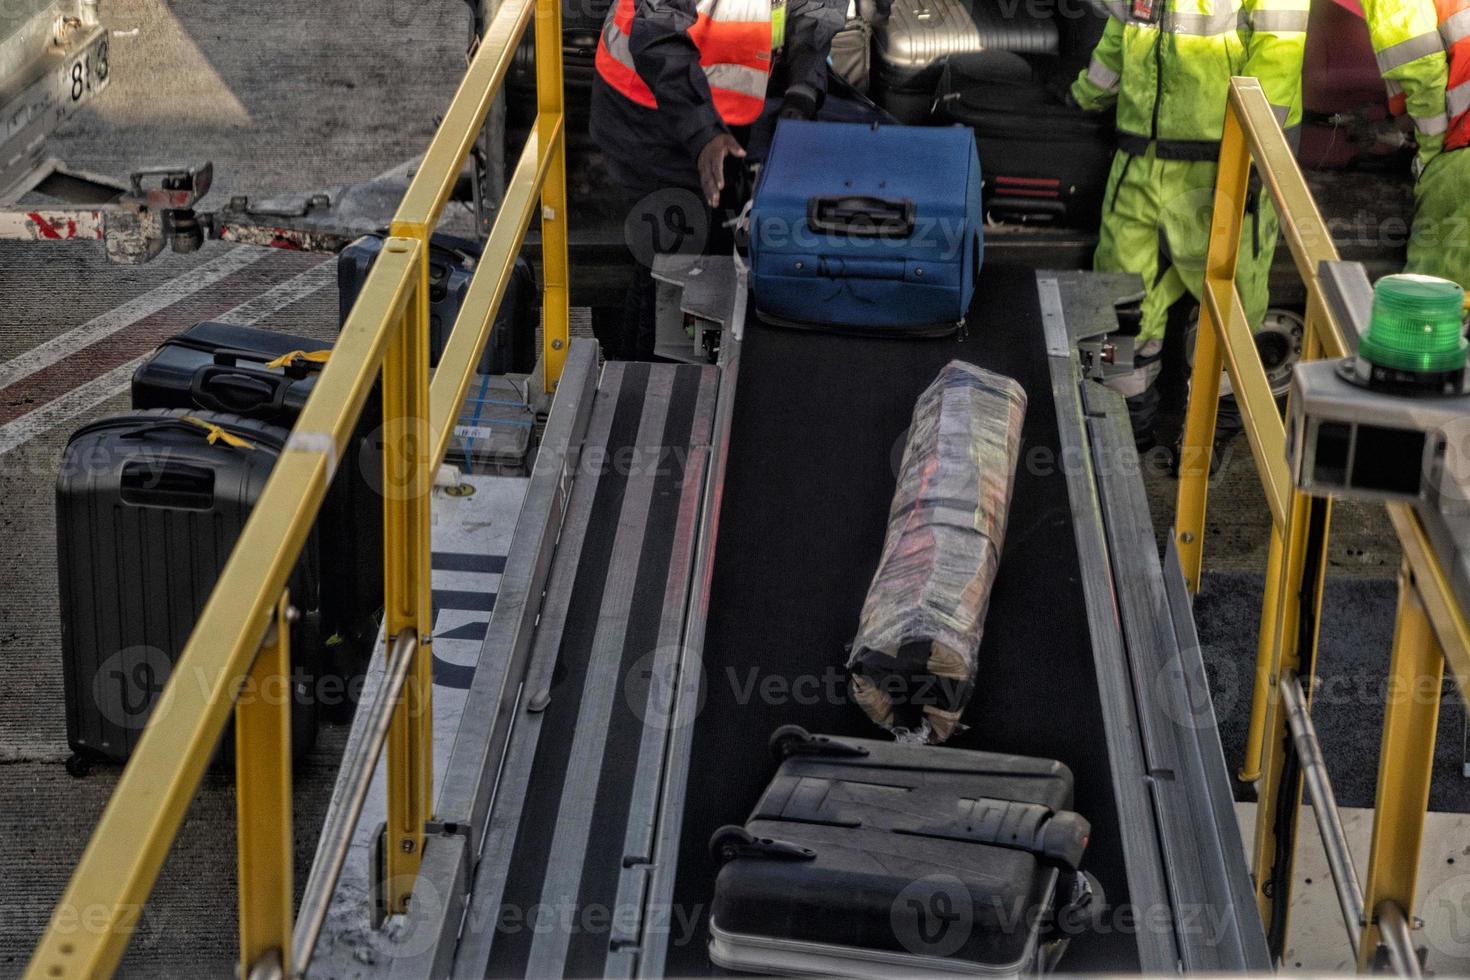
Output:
[[1431, 626]]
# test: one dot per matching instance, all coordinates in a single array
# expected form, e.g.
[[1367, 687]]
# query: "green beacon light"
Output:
[[1415, 339]]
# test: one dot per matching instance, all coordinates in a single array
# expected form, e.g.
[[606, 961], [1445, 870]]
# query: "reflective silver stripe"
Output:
[[738, 79], [1279, 21], [617, 44], [1457, 28], [1433, 125], [1116, 9], [1411, 50], [1457, 99], [1102, 76], [1394, 88]]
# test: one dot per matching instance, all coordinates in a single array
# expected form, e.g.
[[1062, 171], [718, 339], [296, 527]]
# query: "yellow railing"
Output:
[[1430, 628], [239, 650]]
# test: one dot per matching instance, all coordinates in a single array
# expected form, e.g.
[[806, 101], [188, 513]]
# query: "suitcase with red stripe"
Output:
[[1044, 162]]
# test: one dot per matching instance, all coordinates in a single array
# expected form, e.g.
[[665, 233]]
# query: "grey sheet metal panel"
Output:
[[469, 779], [1157, 949], [654, 520], [1216, 924], [488, 884], [600, 688]]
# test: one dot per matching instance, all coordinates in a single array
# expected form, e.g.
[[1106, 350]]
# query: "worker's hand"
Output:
[[712, 165]]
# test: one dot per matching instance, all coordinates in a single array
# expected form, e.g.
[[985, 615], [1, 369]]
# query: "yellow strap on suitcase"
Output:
[[218, 434], [312, 357]]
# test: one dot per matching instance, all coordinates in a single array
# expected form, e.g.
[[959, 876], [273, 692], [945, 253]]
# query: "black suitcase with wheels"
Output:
[[264, 375], [149, 506], [452, 261], [868, 858], [1043, 161]]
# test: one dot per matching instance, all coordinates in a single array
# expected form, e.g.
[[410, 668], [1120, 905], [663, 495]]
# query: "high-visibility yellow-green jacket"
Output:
[[1411, 56], [1170, 77]]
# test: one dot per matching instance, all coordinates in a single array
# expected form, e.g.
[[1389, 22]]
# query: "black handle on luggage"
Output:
[[199, 427], [1057, 836], [242, 391], [166, 483], [298, 367], [861, 216]]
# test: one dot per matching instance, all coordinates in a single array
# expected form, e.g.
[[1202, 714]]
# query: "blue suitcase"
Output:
[[867, 227]]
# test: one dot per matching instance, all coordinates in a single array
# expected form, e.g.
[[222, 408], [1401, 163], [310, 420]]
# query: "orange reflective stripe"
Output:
[[736, 108], [1454, 29], [733, 43], [735, 55]]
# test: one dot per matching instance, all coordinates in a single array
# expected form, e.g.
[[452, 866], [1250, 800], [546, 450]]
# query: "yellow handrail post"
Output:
[[407, 485], [263, 799], [556, 294], [1405, 765], [1196, 445]]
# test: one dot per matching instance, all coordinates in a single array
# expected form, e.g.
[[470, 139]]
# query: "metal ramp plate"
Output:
[[472, 534]]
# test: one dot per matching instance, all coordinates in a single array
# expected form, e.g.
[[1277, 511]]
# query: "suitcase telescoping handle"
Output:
[[243, 391], [1056, 836], [861, 216]]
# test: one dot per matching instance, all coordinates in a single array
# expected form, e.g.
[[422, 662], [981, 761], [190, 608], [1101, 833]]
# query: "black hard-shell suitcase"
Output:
[[1043, 162], [581, 27], [225, 367], [879, 859], [512, 346], [920, 36], [148, 510]]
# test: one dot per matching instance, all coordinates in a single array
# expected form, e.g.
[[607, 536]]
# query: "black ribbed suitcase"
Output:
[[1043, 162], [879, 859], [148, 508], [512, 346], [248, 371]]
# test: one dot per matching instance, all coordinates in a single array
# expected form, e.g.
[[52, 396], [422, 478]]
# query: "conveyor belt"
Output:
[[818, 424], [685, 577]]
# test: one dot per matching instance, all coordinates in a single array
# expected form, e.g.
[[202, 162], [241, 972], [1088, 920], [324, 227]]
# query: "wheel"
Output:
[[727, 842], [1278, 343], [79, 766], [787, 740]]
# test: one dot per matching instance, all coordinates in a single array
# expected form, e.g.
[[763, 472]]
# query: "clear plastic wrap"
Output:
[[915, 656]]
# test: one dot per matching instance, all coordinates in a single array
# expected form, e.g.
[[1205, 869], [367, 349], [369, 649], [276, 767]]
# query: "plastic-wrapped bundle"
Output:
[[915, 655]]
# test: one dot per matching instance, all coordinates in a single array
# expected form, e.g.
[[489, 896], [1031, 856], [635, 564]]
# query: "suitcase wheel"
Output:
[[791, 740], [733, 841]]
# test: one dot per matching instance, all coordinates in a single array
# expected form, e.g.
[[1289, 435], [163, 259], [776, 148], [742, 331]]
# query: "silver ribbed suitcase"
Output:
[[912, 45]]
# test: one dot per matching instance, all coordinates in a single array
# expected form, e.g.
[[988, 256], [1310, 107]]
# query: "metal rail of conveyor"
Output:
[[696, 537]]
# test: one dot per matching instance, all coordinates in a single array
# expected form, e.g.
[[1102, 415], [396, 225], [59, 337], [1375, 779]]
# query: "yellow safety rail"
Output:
[[1430, 628], [237, 660]]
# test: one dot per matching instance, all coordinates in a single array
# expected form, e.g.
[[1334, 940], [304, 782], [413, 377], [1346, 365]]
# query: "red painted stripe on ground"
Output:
[[49, 383]]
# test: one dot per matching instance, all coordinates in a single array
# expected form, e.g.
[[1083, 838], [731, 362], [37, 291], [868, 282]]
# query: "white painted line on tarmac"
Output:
[[60, 347], [282, 295], [93, 393]]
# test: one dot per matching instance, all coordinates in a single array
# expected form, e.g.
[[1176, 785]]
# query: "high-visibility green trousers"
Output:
[[1156, 222], [1439, 244]]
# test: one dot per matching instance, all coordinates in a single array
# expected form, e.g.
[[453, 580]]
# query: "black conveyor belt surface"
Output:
[[816, 437]]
